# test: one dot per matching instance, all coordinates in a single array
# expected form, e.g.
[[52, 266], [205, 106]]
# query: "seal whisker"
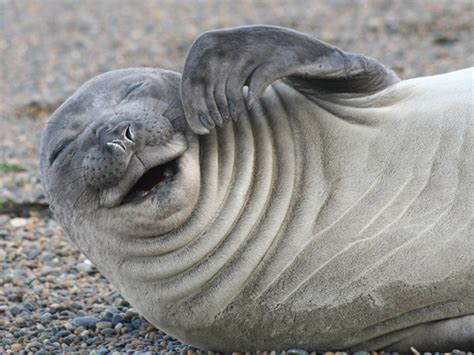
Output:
[[71, 182], [79, 197]]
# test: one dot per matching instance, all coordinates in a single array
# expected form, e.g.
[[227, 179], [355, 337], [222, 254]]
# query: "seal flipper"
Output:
[[221, 62]]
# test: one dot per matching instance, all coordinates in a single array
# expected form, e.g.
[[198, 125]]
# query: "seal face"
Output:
[[117, 149]]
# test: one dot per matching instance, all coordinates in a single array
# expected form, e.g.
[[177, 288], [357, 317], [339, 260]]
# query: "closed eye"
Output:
[[131, 89], [59, 148]]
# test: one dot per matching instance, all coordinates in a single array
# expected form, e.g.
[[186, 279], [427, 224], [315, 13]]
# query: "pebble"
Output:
[[103, 325], [3, 255], [130, 314], [46, 316], [18, 222], [107, 331], [15, 310], [85, 268], [116, 319], [16, 347], [86, 322], [63, 333]]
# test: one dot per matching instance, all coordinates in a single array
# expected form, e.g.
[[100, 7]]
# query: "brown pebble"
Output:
[[16, 347], [20, 322], [103, 325], [123, 330]]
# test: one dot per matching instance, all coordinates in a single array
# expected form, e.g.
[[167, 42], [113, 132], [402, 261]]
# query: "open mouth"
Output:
[[151, 181]]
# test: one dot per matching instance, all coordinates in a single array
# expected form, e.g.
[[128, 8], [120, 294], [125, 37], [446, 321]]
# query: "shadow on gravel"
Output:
[[24, 209]]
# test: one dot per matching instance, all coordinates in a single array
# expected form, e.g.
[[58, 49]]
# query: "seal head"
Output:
[[115, 152]]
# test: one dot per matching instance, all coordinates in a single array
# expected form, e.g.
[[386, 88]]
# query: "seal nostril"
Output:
[[129, 133]]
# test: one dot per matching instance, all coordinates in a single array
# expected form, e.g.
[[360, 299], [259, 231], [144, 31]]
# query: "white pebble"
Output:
[[85, 268], [18, 222]]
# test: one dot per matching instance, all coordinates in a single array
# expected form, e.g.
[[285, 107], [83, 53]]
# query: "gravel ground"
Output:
[[51, 298]]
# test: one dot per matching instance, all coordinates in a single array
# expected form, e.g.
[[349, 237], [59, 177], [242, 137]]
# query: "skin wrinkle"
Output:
[[445, 211], [389, 203], [371, 331], [214, 301], [212, 249], [265, 235], [172, 238], [351, 244], [297, 181]]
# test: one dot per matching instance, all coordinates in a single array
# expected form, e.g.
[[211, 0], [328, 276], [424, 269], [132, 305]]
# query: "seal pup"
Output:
[[281, 193]]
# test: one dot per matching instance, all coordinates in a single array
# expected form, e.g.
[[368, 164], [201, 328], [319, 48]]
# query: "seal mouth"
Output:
[[151, 181]]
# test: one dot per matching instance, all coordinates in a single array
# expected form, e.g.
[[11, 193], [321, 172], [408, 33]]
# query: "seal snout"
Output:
[[107, 162], [121, 137], [125, 141]]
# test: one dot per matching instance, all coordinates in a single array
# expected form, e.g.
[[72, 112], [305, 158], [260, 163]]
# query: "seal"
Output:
[[281, 193]]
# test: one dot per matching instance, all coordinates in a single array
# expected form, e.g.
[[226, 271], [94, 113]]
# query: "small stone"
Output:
[[70, 339], [16, 347], [20, 322], [67, 314], [136, 324], [63, 333], [117, 318], [86, 322], [29, 306], [3, 255], [84, 334], [46, 316], [90, 341], [118, 326], [85, 268], [107, 331], [103, 325], [18, 222], [130, 314], [296, 352], [15, 310]]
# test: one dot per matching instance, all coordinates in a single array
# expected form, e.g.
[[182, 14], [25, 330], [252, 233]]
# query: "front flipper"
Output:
[[221, 62]]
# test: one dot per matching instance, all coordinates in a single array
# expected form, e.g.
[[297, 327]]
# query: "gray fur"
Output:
[[329, 207]]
